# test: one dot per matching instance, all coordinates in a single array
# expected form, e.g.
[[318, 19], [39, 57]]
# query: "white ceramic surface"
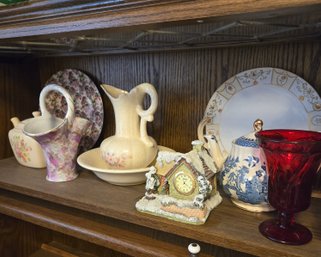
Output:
[[26, 150], [278, 97], [91, 160], [243, 173], [130, 147]]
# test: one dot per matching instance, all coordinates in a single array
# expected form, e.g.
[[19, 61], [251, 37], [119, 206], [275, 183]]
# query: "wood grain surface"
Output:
[[123, 237], [20, 239], [146, 15], [19, 89], [91, 212], [44, 9], [228, 226], [67, 242], [186, 80]]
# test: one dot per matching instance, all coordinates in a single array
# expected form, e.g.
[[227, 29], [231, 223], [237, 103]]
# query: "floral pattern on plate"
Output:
[[250, 94], [87, 100]]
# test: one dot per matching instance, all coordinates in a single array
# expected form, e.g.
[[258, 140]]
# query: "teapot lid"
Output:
[[250, 140], [17, 124]]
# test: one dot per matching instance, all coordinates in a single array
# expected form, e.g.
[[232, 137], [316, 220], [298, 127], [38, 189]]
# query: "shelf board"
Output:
[[60, 16], [55, 249], [60, 27], [86, 226], [227, 226]]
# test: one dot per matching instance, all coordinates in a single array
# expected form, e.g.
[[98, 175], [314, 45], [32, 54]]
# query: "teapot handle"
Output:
[[64, 92], [200, 130], [147, 115]]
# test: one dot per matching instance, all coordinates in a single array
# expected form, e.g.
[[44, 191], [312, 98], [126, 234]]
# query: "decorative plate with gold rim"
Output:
[[278, 97]]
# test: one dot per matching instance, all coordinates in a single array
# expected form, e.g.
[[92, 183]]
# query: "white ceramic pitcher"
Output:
[[130, 147]]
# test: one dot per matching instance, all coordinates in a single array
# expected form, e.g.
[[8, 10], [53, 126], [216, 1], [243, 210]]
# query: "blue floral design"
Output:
[[248, 189], [252, 161]]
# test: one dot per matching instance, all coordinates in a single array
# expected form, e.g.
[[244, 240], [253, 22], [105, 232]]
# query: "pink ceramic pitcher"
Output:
[[59, 138]]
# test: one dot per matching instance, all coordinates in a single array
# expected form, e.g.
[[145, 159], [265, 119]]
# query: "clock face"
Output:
[[184, 183]]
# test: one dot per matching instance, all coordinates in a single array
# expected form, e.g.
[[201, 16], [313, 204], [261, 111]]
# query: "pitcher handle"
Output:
[[147, 115], [70, 103]]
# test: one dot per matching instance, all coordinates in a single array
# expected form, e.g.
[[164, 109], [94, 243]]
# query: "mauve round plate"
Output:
[[87, 100]]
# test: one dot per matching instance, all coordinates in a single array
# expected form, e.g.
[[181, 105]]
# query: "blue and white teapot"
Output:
[[243, 173]]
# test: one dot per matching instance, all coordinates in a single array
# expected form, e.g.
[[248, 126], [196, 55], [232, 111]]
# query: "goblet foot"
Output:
[[294, 234]]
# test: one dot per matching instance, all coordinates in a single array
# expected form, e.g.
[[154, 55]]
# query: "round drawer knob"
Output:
[[194, 249]]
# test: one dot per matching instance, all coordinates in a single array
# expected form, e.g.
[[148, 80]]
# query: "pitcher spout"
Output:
[[78, 128], [76, 133], [113, 92]]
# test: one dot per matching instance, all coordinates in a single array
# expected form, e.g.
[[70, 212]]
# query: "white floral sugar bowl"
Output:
[[243, 173], [27, 151]]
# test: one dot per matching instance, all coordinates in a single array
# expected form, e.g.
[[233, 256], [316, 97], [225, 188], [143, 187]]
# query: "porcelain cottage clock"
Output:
[[181, 186], [184, 183]]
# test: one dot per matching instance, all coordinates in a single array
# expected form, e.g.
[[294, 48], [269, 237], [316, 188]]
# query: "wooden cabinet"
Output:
[[187, 49]]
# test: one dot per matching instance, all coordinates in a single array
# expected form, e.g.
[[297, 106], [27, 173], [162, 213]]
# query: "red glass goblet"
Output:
[[293, 158]]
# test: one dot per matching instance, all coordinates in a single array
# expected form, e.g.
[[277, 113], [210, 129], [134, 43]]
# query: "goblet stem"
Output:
[[284, 230], [285, 219]]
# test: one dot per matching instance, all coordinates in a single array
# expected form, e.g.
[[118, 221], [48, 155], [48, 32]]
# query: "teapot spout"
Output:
[[216, 153], [213, 144], [36, 114], [15, 121]]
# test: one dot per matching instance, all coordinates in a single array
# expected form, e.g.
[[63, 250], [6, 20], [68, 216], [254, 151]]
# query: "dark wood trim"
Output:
[[50, 9], [95, 212], [87, 226], [47, 21]]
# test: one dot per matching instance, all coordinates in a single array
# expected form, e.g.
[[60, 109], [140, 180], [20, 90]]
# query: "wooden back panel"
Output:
[[185, 82]]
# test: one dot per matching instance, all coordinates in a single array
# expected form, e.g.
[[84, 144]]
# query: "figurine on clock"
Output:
[[152, 183], [184, 188]]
